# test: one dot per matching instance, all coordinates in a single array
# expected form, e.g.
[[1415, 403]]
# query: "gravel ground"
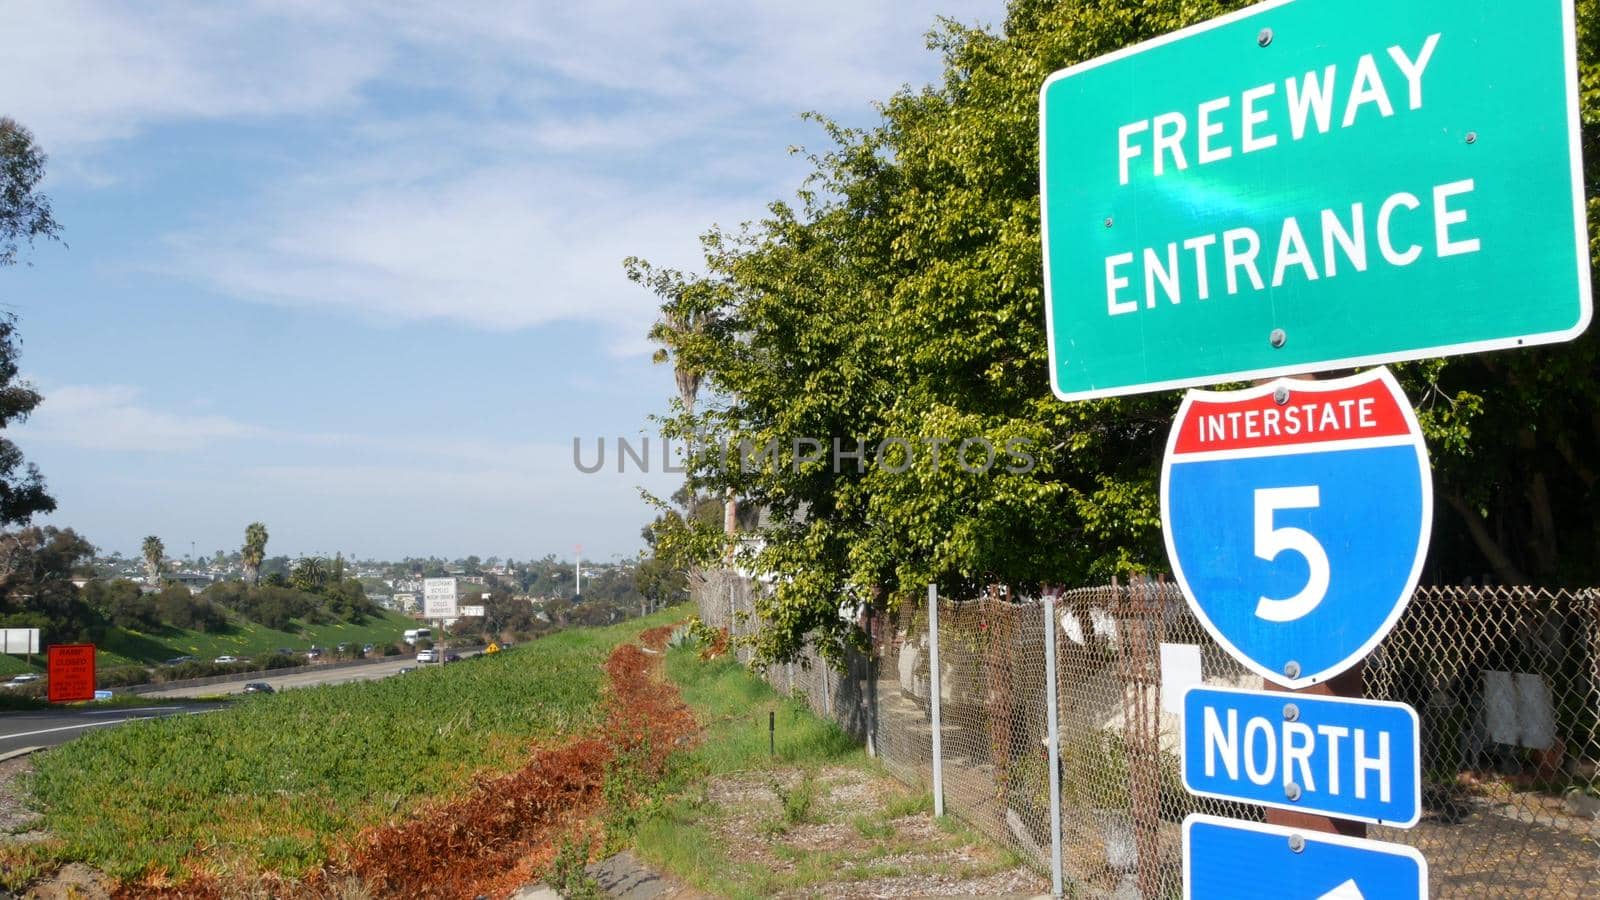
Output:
[[16, 819], [915, 858]]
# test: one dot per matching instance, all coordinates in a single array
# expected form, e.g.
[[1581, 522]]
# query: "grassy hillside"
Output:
[[122, 646], [276, 782]]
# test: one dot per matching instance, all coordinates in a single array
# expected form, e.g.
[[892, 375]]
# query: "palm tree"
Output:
[[154, 551], [691, 308], [254, 551], [310, 574]]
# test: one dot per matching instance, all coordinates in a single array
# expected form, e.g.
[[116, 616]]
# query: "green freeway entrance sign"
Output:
[[1313, 184]]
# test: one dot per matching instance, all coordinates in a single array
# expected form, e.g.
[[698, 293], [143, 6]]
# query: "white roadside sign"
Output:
[[19, 640], [439, 598]]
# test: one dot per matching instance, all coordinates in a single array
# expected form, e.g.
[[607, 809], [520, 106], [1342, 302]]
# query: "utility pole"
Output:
[[577, 568]]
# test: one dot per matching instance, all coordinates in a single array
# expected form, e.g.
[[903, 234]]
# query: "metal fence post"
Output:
[[933, 691], [1054, 741], [827, 676]]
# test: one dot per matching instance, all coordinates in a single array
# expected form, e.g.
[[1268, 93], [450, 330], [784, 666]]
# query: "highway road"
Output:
[[49, 727], [370, 672]]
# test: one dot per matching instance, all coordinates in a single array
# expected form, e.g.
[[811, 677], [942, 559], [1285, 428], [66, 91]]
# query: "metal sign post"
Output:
[[935, 689]]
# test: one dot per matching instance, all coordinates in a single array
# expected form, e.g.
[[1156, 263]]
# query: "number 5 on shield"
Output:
[[1271, 541]]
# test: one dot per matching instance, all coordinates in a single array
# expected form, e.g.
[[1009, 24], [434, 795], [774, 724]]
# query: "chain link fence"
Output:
[[1506, 682]]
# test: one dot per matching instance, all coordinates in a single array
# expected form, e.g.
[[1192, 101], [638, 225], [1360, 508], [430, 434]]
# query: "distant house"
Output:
[[194, 581], [406, 602]]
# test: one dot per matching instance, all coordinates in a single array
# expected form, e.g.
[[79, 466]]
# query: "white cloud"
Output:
[[97, 71], [497, 249], [526, 159], [112, 417], [94, 71]]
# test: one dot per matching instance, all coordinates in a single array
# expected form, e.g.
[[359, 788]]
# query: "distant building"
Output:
[[406, 602], [194, 581]]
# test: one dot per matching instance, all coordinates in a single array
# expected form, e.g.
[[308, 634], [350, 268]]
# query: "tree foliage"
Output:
[[24, 217], [900, 296], [155, 554], [253, 552], [24, 212], [36, 590]]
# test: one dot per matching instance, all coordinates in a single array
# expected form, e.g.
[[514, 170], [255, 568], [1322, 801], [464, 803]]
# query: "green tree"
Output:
[[309, 574], [25, 216], [154, 553], [24, 212], [900, 297], [253, 551], [36, 590]]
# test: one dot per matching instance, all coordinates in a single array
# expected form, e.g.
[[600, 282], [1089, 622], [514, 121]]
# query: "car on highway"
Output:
[[427, 656], [314, 653], [258, 687], [452, 657], [25, 678], [366, 649], [405, 669], [226, 659], [178, 660]]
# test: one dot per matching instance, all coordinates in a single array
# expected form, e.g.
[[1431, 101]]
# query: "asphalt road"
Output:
[[49, 727], [370, 672]]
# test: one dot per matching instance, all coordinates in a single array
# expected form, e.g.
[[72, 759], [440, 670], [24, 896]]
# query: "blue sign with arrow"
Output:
[[1296, 517], [1356, 759], [1225, 859]]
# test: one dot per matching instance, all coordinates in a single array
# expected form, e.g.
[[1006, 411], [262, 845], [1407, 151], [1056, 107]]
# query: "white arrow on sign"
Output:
[[1346, 891]]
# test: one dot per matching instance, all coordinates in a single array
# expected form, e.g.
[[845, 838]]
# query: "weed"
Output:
[[908, 805], [799, 803], [569, 874], [873, 829]]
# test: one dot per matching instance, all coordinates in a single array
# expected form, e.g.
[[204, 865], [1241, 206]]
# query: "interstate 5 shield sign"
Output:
[[1296, 517]]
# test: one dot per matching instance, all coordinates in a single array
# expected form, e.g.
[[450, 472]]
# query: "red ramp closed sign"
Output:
[[71, 668]]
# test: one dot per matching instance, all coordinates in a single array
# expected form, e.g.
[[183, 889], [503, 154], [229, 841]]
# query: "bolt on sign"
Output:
[[1313, 184], [70, 669]]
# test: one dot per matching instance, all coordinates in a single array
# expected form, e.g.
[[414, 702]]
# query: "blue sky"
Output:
[[353, 269]]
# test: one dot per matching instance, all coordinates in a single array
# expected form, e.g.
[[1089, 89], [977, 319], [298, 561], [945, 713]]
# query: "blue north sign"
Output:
[[1228, 860], [1356, 759], [1296, 517]]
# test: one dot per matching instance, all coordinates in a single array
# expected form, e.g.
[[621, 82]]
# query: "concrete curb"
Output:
[[20, 751]]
